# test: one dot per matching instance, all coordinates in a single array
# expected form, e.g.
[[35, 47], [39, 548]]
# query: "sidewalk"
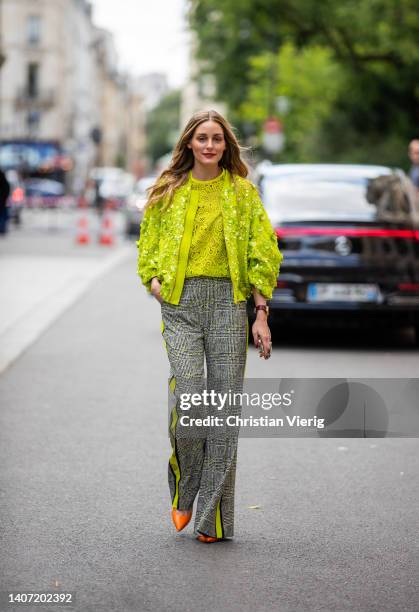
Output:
[[36, 287]]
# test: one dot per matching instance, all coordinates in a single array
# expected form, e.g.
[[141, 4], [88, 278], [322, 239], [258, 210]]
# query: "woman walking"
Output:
[[206, 244]]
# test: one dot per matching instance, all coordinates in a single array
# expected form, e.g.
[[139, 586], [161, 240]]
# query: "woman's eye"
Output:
[[202, 139]]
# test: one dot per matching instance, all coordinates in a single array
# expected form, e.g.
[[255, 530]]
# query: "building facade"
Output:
[[59, 82]]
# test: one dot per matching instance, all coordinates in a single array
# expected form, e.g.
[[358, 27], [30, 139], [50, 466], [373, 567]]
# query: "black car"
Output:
[[350, 239]]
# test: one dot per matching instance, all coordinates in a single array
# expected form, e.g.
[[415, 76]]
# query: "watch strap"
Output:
[[262, 307]]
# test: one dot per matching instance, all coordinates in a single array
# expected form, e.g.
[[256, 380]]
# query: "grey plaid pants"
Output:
[[208, 326]]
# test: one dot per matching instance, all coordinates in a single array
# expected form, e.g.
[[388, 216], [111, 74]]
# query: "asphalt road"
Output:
[[85, 504]]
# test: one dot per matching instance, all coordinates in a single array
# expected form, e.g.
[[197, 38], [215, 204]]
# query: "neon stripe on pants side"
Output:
[[162, 330], [174, 459], [219, 521]]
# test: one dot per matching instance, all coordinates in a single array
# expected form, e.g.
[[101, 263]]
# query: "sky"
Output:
[[150, 35]]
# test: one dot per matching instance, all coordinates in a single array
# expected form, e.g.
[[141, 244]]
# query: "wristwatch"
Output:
[[264, 307]]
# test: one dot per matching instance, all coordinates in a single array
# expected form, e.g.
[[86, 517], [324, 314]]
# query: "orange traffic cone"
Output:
[[106, 230], [82, 236]]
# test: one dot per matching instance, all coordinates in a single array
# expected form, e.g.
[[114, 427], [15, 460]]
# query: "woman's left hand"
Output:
[[260, 330]]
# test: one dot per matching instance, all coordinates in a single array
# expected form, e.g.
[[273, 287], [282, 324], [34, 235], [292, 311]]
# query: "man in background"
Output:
[[414, 158], [4, 194]]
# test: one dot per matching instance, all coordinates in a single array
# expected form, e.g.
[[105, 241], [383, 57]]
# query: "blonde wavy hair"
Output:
[[182, 160]]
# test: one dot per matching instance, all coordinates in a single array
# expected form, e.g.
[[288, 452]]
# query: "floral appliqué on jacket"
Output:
[[252, 248]]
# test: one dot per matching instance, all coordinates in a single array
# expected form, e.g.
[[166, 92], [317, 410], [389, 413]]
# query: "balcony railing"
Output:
[[43, 100]]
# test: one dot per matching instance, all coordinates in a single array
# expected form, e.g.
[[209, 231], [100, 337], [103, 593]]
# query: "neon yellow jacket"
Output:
[[251, 243]]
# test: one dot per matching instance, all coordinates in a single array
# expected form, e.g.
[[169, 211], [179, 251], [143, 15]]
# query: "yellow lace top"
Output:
[[207, 252]]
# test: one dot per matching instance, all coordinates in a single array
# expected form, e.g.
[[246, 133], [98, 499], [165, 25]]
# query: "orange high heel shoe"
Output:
[[207, 539], [179, 519]]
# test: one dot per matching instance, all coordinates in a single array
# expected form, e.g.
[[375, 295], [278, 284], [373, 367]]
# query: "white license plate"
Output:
[[342, 292]]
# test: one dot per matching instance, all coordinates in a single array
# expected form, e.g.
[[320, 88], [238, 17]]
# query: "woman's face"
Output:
[[208, 143]]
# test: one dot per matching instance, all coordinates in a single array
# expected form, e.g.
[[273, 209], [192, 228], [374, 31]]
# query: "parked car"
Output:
[[136, 201], [350, 239]]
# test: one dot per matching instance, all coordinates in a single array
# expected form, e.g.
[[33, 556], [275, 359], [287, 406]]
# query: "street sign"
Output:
[[273, 138], [272, 125]]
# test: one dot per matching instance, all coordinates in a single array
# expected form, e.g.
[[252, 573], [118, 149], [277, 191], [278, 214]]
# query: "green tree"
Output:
[[160, 125], [373, 41], [310, 79]]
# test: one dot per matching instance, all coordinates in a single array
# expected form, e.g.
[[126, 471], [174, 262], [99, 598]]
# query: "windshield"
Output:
[[328, 197]]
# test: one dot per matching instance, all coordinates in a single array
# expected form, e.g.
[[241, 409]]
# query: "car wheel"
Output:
[[416, 328]]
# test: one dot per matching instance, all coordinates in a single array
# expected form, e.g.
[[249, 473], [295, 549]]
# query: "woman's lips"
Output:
[[209, 154]]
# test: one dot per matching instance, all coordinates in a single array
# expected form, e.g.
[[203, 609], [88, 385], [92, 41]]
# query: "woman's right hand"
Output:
[[155, 289]]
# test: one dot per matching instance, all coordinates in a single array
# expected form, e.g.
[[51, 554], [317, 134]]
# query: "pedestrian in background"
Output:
[[414, 158], [4, 194], [99, 200], [206, 244]]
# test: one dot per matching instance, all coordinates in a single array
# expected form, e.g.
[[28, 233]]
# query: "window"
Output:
[[32, 82], [33, 31]]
